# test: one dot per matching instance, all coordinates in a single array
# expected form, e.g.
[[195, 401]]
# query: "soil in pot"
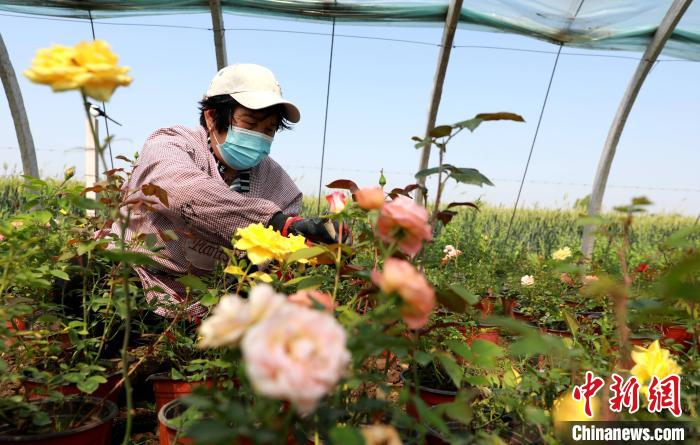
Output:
[[95, 430]]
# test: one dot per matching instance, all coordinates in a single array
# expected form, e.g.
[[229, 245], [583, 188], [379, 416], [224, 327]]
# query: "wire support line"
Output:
[[104, 106], [530, 181], [325, 118], [534, 140]]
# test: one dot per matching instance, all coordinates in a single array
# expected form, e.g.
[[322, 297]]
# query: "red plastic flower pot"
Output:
[[168, 431], [678, 334], [431, 396], [509, 305], [518, 314], [486, 305], [167, 390], [489, 334], [559, 333], [38, 390], [96, 431], [16, 322]]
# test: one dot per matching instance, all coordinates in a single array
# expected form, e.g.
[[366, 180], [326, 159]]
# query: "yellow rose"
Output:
[[562, 254], [566, 409], [56, 67], [653, 361], [265, 244], [89, 66], [104, 76]]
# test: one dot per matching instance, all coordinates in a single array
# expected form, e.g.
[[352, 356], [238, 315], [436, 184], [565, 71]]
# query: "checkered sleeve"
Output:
[[198, 202]]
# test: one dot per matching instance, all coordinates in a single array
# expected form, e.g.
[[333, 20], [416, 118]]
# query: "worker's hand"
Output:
[[317, 230], [321, 230]]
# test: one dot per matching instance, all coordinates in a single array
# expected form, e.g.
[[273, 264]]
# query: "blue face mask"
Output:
[[244, 149]]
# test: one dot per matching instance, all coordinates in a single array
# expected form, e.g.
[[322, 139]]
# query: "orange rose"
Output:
[[404, 221], [370, 198], [401, 277], [307, 297]]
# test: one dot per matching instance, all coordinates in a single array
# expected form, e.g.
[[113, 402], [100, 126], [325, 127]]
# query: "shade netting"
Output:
[[596, 24]]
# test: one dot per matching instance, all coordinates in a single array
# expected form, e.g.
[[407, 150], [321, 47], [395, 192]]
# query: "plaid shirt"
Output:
[[203, 210]]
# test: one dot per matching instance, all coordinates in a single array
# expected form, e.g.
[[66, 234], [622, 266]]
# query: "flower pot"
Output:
[[640, 340], [431, 396], [486, 305], [678, 334], [38, 390], [173, 434], [168, 431], [572, 303], [518, 314], [487, 333], [589, 319], [11, 326], [96, 431], [559, 332], [588, 316], [509, 305], [167, 390]]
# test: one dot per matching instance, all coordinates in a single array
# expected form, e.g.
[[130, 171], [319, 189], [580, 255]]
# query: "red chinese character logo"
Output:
[[587, 391], [665, 394], [624, 394]]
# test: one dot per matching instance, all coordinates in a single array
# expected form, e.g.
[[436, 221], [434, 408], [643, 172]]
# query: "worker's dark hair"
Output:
[[224, 105]]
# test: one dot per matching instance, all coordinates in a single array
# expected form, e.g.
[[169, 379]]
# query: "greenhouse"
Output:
[[192, 290]]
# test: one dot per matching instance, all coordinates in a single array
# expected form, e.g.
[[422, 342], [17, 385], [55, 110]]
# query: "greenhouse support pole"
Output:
[[217, 23], [92, 158], [19, 114], [663, 33], [453, 12]]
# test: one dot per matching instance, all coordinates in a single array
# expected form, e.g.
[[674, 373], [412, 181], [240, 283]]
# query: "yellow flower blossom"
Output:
[[265, 244], [562, 254], [566, 409], [89, 66], [653, 361]]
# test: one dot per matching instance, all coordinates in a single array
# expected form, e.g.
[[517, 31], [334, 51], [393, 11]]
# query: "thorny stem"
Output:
[[620, 297], [125, 344], [5, 272], [338, 258], [438, 195]]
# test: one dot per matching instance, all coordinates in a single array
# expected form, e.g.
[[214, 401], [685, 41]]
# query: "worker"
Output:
[[218, 177]]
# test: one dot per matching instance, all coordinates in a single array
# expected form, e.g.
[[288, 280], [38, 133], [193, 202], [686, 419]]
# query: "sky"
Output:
[[379, 96]]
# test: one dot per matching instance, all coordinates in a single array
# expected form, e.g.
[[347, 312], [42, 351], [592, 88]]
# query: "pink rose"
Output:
[[307, 297], [370, 198], [401, 277], [298, 354], [337, 201], [404, 221], [233, 316]]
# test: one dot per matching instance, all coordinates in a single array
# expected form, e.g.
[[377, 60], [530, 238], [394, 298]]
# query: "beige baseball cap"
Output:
[[252, 86]]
